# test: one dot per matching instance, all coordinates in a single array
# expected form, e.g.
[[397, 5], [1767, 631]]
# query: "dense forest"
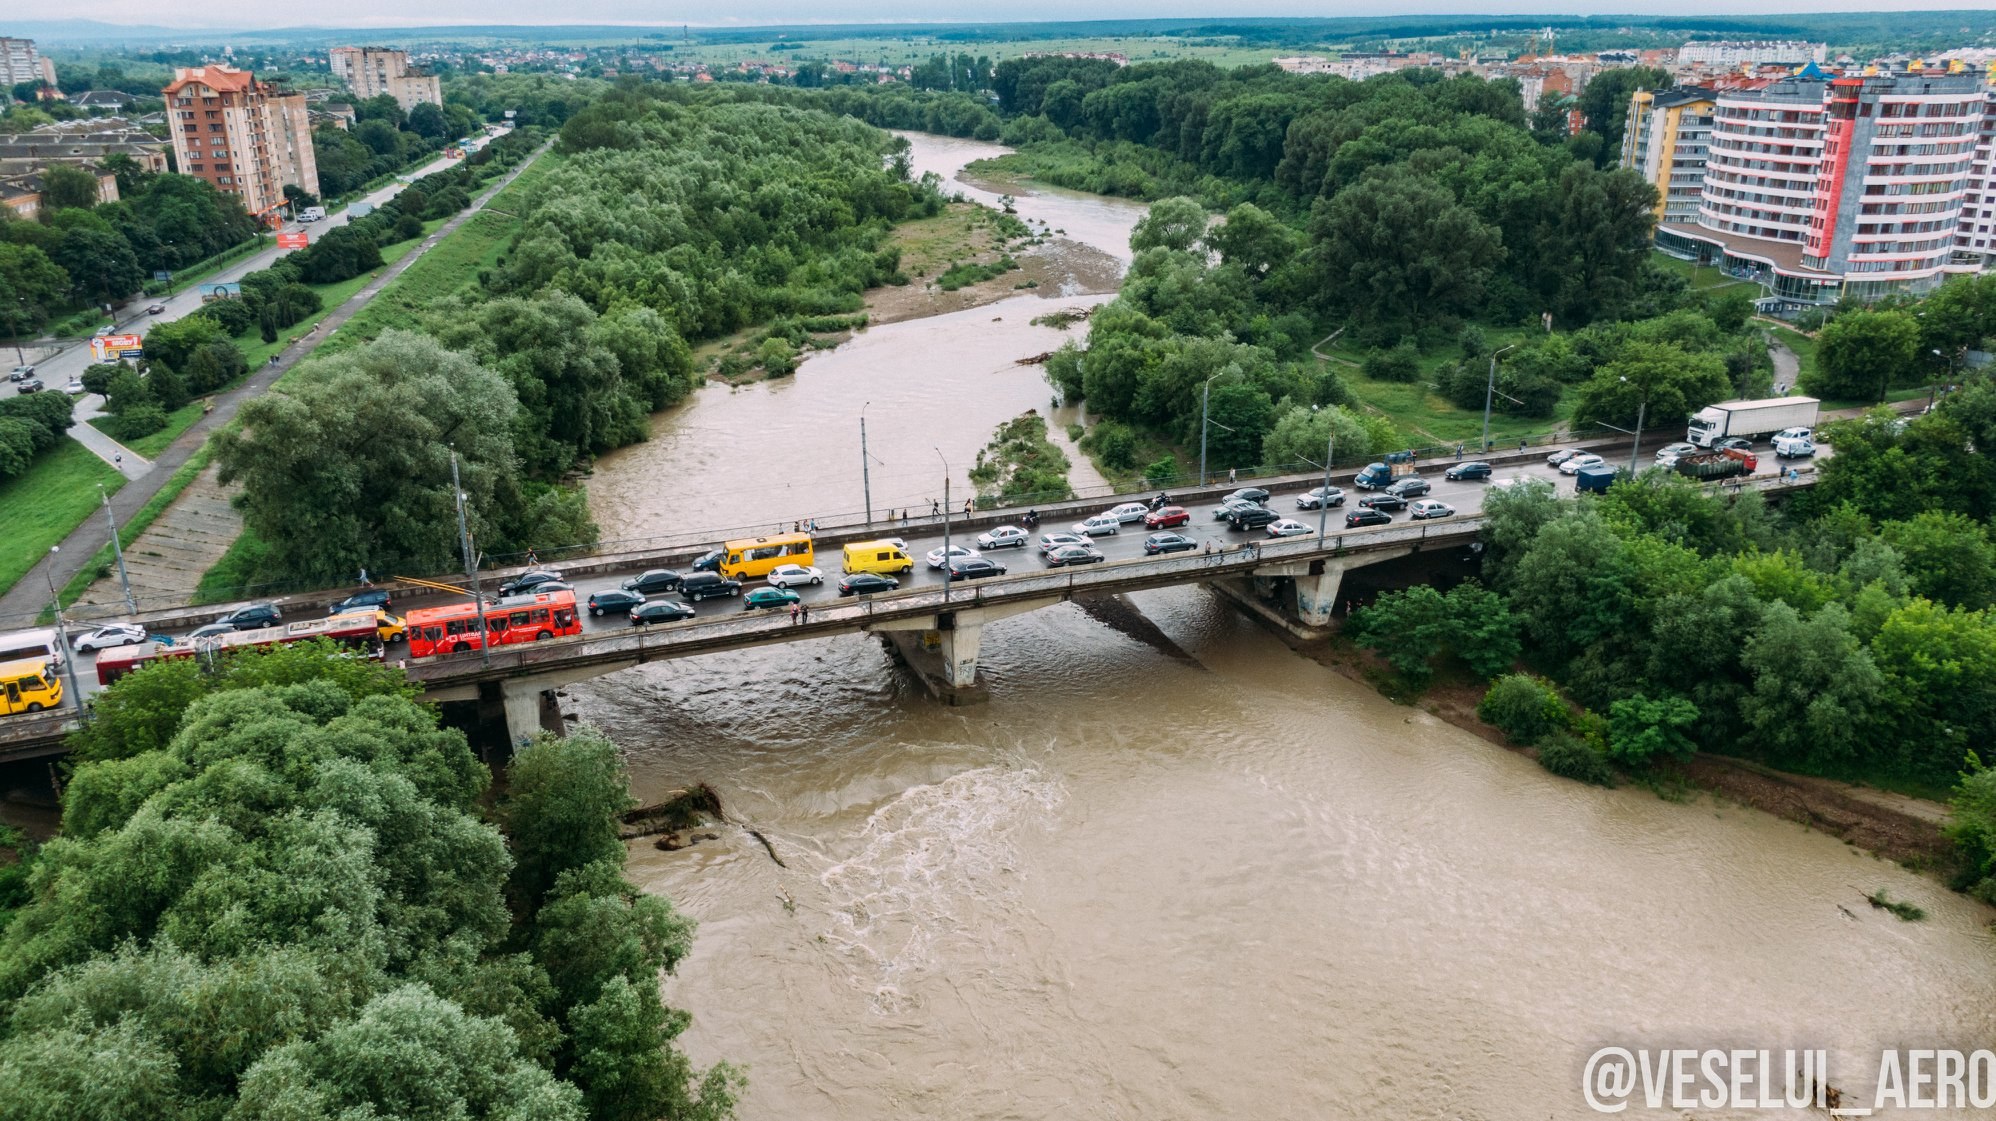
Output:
[[673, 216], [282, 890]]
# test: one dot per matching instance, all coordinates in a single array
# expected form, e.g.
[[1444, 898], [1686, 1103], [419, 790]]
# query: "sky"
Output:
[[749, 13]]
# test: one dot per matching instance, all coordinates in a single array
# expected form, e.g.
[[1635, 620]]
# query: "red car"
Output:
[[1167, 517]]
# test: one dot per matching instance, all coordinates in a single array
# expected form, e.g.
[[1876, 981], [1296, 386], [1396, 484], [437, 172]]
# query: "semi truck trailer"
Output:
[[1751, 420]]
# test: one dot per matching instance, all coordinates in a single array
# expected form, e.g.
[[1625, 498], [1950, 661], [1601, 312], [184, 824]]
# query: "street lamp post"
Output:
[[1324, 500], [470, 564], [62, 629], [865, 478], [1205, 404], [1489, 391], [946, 555], [118, 550], [1635, 447]]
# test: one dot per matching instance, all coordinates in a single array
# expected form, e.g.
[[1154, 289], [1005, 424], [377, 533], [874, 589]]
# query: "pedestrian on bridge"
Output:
[[804, 612], [935, 508], [793, 614]]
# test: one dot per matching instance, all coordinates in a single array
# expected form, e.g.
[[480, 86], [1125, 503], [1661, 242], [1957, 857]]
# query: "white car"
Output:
[[956, 552], [1793, 447], [1794, 434], [1429, 508], [1573, 465], [1050, 541], [74, 385], [793, 575], [1674, 451], [1289, 527], [1126, 513], [1004, 537], [117, 634], [1101, 525]]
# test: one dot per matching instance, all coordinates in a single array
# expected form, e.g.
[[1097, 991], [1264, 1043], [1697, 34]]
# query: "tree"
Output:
[[1304, 435], [1939, 671], [1948, 556], [427, 120], [1411, 629], [1605, 100], [1816, 693], [1860, 353], [100, 265], [1252, 240], [36, 284], [1525, 708], [1658, 380], [1395, 248], [1972, 827], [65, 187], [776, 356], [1640, 729], [1173, 223], [563, 804]]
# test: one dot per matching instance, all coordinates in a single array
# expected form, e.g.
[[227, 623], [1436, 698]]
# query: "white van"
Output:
[[312, 214]]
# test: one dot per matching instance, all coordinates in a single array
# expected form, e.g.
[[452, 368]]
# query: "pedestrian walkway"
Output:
[[128, 462], [25, 600]]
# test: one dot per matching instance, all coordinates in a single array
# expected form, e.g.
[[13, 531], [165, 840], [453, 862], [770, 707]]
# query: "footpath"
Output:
[[25, 601]]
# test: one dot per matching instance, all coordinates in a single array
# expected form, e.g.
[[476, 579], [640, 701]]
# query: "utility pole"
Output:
[[1324, 506], [946, 555], [1205, 403], [1490, 390], [865, 478], [118, 550], [62, 631], [470, 562], [1635, 449]]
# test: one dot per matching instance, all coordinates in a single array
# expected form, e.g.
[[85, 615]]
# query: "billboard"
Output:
[[298, 240], [106, 347], [212, 292]]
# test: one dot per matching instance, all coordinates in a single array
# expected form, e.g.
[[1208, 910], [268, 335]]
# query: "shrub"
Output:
[[1402, 363], [1115, 444], [1569, 756], [1640, 729], [1525, 708], [136, 421], [1161, 472]]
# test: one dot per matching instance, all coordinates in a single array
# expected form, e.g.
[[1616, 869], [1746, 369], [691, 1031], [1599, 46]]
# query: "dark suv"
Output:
[[1252, 517], [708, 585], [252, 617], [361, 601]]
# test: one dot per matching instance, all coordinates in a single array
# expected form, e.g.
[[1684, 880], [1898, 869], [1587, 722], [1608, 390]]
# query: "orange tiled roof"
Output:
[[224, 78]]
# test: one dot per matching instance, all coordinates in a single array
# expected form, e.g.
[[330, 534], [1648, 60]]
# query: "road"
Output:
[[1465, 497], [58, 369]]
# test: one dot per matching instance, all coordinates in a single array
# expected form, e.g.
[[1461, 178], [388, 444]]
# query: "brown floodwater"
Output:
[[1196, 878]]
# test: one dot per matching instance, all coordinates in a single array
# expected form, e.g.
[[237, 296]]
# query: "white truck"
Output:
[[312, 214], [1751, 420]]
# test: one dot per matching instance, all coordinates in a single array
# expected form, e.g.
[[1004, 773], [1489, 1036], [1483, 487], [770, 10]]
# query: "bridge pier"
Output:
[[529, 708], [1316, 584], [942, 649]]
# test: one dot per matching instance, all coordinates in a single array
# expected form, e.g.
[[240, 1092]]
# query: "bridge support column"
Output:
[[529, 707], [1317, 594], [945, 659]]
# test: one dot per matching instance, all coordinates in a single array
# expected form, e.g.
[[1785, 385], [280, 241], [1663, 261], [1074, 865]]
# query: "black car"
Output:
[[1255, 495], [614, 603], [1413, 486], [1384, 500], [1366, 515], [527, 581], [867, 583], [708, 585], [1252, 517], [975, 568], [1478, 470], [662, 611], [32, 385], [1168, 543], [653, 582], [253, 617], [1074, 554], [710, 561], [363, 601]]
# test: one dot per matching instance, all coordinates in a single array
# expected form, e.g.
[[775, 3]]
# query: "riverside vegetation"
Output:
[[282, 890]]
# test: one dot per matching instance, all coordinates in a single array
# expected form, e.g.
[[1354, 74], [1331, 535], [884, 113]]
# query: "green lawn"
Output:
[[149, 447], [1702, 278], [508, 200], [230, 578], [1426, 417], [451, 266], [44, 505]]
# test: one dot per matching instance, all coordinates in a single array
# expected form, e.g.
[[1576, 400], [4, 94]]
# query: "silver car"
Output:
[[1101, 525], [1048, 542], [1317, 496], [116, 634], [1003, 537], [1128, 512]]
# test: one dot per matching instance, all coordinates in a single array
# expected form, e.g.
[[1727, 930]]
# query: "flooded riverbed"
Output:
[[1199, 879]]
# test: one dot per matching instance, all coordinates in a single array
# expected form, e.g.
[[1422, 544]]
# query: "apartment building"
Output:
[[1975, 240], [1750, 52], [1665, 140], [1824, 187], [373, 71], [20, 62], [241, 135]]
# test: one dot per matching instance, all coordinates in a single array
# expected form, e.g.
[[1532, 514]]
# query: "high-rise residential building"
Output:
[[241, 135], [20, 62], [1665, 140], [1975, 239], [373, 71], [1826, 187], [1750, 52]]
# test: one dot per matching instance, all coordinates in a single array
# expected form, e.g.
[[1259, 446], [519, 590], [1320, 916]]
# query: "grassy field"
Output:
[[230, 578], [45, 504], [451, 266], [1426, 417], [1702, 278], [149, 447]]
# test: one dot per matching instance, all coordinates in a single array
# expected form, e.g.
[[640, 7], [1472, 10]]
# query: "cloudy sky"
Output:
[[393, 13]]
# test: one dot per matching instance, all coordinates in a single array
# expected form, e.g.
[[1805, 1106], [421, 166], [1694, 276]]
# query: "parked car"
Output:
[[155, 309], [1004, 537], [866, 584], [1318, 497], [653, 581], [1229, 504], [764, 598], [1256, 495], [792, 575], [1074, 554], [103, 638], [974, 568], [1384, 500], [1573, 465], [1366, 515], [1473, 470], [1793, 447], [936, 555], [1559, 457], [527, 581], [1158, 543], [619, 602], [1732, 443], [1051, 541], [1289, 527], [1428, 508], [1167, 516], [32, 385], [212, 630], [708, 585], [1128, 512], [252, 616], [1100, 525], [660, 611], [363, 600], [1412, 486], [1252, 517], [21, 373], [710, 561]]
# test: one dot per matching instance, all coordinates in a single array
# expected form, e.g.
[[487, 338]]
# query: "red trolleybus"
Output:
[[358, 629], [522, 618]]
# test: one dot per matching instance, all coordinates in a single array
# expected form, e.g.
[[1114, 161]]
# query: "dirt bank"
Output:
[[1055, 269]]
